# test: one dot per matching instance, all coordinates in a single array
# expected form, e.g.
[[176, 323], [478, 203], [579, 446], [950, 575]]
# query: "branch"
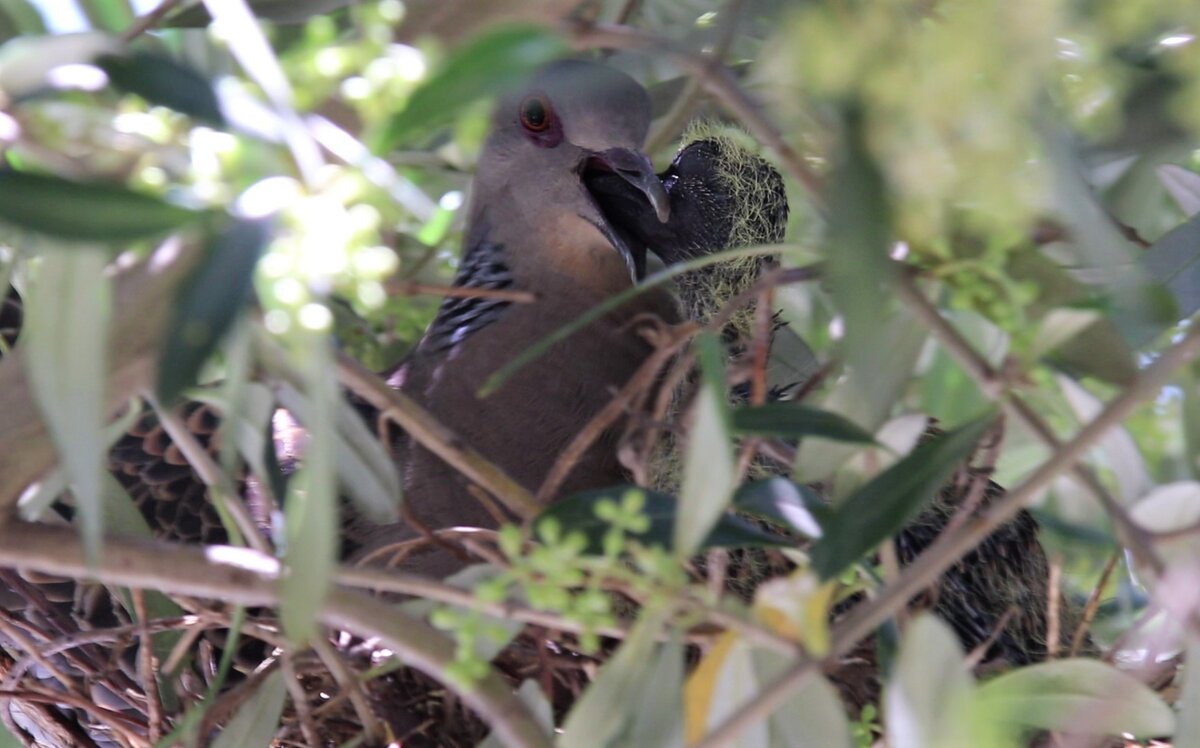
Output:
[[241, 576], [946, 550]]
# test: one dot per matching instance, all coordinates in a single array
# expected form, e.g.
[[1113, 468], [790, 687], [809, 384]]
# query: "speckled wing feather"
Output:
[[483, 267]]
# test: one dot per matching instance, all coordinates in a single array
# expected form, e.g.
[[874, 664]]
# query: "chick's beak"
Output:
[[634, 167]]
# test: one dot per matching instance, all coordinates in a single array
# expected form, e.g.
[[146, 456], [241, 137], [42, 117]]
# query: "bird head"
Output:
[[572, 121]]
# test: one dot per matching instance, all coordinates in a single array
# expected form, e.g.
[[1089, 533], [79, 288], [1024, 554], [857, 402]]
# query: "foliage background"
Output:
[[1031, 165]]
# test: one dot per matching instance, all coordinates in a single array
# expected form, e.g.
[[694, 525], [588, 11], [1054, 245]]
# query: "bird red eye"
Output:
[[535, 114]]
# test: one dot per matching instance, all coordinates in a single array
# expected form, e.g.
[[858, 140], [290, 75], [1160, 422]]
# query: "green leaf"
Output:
[[1076, 695], [26, 62], [85, 211], [530, 693], [276, 11], [66, 337], [780, 500], [110, 15], [793, 420], [257, 719], [310, 512], [161, 80], [578, 514], [1183, 185], [610, 706], [929, 690], [1174, 260], [208, 303], [813, 717], [709, 470], [1188, 732], [19, 18], [497, 60], [893, 498]]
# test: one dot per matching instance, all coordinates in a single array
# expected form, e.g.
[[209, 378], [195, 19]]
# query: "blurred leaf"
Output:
[[1121, 452], [495, 61], [793, 420], [1190, 384], [257, 719], [709, 473], [926, 697], [778, 499], [1169, 508], [1172, 260], [109, 15], [1188, 731], [578, 514], [531, 694], [1183, 186], [66, 338], [1140, 307], [8, 740], [723, 681], [19, 18], [859, 269], [85, 211], [277, 11], [26, 62], [812, 717], [310, 512], [866, 395], [208, 303], [161, 80], [893, 498], [1076, 695], [1098, 350], [1059, 326], [658, 719], [798, 607], [610, 706]]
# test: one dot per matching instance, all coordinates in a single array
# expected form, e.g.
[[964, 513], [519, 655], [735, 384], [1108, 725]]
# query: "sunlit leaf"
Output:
[[66, 337], [208, 303], [778, 499], [161, 80], [26, 62], [497, 60], [257, 719], [723, 681], [609, 707], [80, 211], [893, 498], [709, 476], [1077, 695], [578, 514], [794, 420], [926, 696], [1183, 185]]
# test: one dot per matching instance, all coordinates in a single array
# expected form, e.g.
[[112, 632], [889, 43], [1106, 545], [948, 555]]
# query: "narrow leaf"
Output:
[[813, 716], [709, 473], [161, 80], [85, 211], [1183, 185], [67, 340], [490, 64], [606, 711], [778, 499], [578, 514], [26, 62], [1077, 695], [257, 720], [793, 420], [929, 690], [893, 498], [1174, 260], [723, 681], [207, 305]]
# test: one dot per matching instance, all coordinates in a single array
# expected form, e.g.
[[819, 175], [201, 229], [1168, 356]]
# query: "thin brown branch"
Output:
[[946, 550], [400, 287], [147, 22], [1093, 604], [351, 689], [299, 700], [146, 669]]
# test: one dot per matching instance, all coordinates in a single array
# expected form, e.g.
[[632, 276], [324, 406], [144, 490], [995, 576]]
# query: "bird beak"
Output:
[[634, 167]]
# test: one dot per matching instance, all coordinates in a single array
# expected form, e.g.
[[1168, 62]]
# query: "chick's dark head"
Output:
[[722, 195]]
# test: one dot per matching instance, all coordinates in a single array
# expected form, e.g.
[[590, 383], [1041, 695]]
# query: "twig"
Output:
[[10, 629], [145, 23], [431, 434], [990, 382], [946, 550], [299, 700], [146, 670], [408, 288], [1093, 604], [351, 688], [716, 78]]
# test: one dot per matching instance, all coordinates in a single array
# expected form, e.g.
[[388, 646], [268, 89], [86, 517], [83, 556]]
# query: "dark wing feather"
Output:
[[483, 267]]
